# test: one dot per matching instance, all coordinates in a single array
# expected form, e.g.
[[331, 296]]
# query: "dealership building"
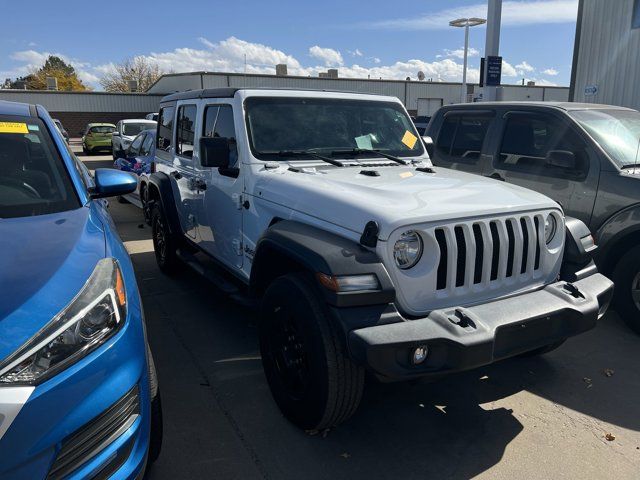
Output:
[[606, 59]]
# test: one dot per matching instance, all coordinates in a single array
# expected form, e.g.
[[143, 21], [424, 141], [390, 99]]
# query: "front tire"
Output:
[[314, 383], [164, 243], [626, 277]]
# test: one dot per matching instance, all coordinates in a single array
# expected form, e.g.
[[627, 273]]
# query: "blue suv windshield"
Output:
[[325, 125], [33, 178]]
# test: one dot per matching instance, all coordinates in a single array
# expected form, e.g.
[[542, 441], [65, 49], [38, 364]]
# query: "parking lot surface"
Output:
[[573, 413]]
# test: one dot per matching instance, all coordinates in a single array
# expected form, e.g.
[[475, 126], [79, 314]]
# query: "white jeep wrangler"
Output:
[[326, 208]]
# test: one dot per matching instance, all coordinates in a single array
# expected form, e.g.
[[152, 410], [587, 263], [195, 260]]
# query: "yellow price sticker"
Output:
[[409, 139], [406, 175], [13, 127]]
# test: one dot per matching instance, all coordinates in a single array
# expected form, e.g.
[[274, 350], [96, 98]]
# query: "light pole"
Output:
[[466, 23]]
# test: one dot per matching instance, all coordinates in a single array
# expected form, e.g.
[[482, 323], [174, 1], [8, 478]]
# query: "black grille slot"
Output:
[[536, 264], [512, 247], [495, 259], [441, 282], [98, 434], [477, 235], [525, 244], [462, 256]]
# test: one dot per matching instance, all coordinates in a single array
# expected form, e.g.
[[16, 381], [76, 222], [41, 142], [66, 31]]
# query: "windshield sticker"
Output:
[[409, 139], [364, 142], [406, 175], [13, 127], [34, 128]]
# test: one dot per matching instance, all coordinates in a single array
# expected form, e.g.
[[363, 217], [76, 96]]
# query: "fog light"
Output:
[[420, 355]]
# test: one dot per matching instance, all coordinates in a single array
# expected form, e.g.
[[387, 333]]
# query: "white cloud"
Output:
[[376, 60], [551, 72], [459, 52], [527, 12], [508, 70], [355, 53], [329, 56], [30, 60]]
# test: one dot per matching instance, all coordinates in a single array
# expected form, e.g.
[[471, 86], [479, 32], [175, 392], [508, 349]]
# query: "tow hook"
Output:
[[572, 290], [461, 319]]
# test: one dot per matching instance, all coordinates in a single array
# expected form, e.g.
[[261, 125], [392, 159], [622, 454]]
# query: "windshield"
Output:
[[104, 129], [33, 179], [616, 131], [133, 129], [328, 124]]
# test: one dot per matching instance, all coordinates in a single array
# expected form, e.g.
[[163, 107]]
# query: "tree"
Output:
[[67, 76], [138, 68]]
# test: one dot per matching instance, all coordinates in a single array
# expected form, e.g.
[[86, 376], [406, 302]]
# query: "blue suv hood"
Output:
[[44, 261]]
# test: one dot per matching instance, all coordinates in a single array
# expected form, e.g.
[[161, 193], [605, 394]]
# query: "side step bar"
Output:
[[216, 276]]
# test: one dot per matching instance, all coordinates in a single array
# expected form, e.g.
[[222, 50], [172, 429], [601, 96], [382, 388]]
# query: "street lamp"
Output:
[[466, 23]]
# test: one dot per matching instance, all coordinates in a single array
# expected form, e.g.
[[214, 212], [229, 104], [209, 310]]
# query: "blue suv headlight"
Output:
[[92, 317]]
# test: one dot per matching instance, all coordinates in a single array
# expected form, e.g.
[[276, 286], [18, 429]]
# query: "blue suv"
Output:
[[78, 390]]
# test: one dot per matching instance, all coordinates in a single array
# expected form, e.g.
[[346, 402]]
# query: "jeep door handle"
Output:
[[175, 174], [496, 176]]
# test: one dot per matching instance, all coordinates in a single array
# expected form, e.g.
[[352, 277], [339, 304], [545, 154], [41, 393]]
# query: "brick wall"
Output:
[[74, 122]]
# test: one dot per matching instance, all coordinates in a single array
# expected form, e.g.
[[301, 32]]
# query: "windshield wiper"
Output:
[[308, 153], [358, 151]]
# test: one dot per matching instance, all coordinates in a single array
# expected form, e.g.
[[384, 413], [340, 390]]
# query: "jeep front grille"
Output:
[[488, 251], [97, 435]]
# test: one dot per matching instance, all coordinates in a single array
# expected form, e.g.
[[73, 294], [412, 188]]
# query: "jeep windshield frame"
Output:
[[328, 126]]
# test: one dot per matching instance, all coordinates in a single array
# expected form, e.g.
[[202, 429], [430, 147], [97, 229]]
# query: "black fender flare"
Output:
[[318, 251], [160, 190], [579, 250], [619, 229]]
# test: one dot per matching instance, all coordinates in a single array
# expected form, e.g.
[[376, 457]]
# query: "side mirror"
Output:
[[110, 183], [561, 159], [214, 152], [115, 134], [428, 144]]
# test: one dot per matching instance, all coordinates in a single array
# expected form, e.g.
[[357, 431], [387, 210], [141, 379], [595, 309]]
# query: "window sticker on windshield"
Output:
[[409, 139], [364, 142], [33, 128], [13, 127], [406, 175]]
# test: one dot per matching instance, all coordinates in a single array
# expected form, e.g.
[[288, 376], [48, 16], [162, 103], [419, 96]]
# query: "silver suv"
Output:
[[358, 253]]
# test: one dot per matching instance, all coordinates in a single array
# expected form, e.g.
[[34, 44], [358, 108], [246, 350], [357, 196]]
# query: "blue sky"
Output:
[[380, 38]]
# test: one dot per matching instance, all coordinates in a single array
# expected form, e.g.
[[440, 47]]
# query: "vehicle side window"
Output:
[[462, 136], [134, 149], [529, 137], [219, 123], [186, 130], [165, 128], [147, 144]]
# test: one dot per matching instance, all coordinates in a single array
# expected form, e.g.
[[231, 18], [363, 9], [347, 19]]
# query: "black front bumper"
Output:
[[464, 338]]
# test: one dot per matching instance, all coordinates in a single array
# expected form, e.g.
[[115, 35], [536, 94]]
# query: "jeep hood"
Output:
[[44, 262], [399, 197]]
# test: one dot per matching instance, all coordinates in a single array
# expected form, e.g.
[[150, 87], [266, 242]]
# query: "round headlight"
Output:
[[550, 227], [407, 250]]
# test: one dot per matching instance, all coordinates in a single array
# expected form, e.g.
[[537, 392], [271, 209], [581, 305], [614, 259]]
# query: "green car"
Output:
[[97, 136]]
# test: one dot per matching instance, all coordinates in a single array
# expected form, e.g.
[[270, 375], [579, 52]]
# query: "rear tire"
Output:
[[626, 277], [312, 380], [164, 243]]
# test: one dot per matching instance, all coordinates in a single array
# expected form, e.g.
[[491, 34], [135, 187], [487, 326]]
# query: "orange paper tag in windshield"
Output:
[[13, 127], [409, 139]]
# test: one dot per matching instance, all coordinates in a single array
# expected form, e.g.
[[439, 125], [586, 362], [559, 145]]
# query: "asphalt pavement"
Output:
[[571, 414]]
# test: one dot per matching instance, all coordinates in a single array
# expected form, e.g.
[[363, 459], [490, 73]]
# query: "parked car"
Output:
[[64, 133], [126, 131], [78, 389], [139, 161], [96, 137], [360, 254], [421, 123], [152, 116], [584, 156]]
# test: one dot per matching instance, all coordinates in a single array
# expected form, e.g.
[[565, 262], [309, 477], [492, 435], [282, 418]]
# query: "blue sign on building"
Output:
[[494, 71]]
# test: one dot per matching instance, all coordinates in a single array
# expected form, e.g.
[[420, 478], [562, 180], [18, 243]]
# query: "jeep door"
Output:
[[460, 139], [174, 151], [541, 150], [219, 212]]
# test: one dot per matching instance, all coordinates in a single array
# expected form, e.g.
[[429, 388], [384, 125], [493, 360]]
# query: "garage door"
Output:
[[428, 106]]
